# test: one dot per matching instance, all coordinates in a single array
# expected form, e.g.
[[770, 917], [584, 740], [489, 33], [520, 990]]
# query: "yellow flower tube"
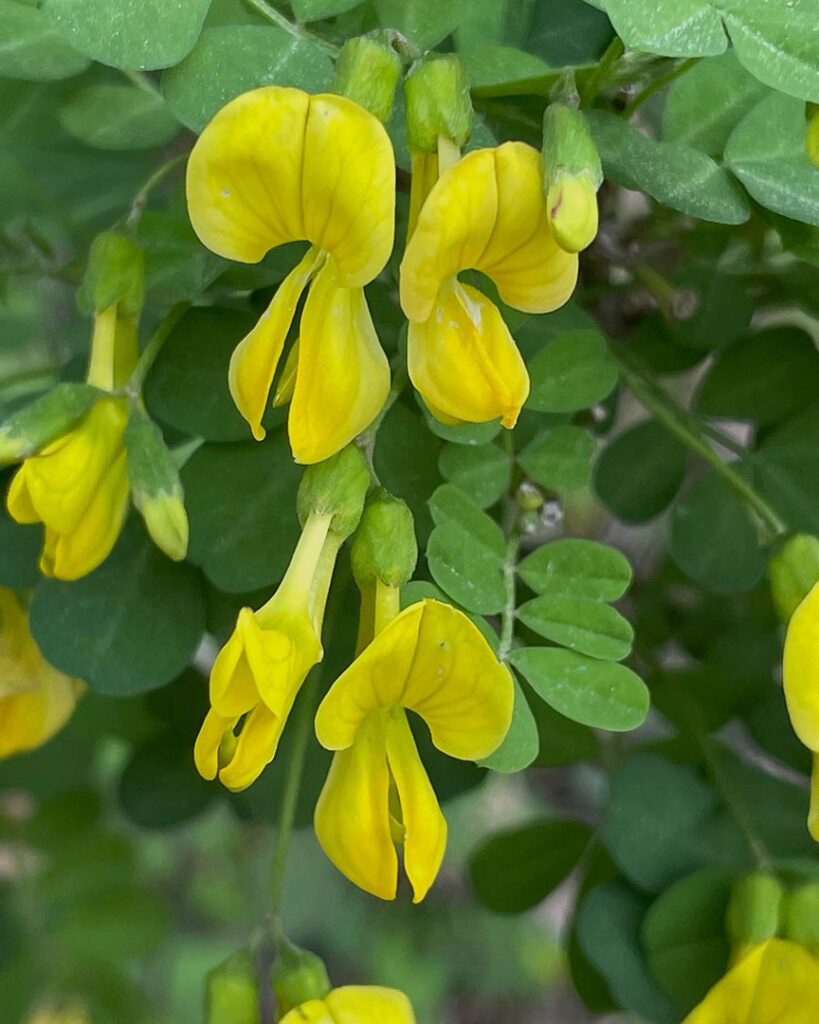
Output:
[[800, 671], [355, 1004], [486, 213], [432, 660], [277, 165]]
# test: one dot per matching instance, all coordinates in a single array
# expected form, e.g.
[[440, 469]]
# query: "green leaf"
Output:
[[560, 459], [515, 870], [482, 471], [120, 922], [786, 470], [118, 117], [732, 92], [582, 624], [683, 935], [159, 786], [723, 305], [687, 28], [562, 741], [177, 265], [766, 151], [640, 472], [568, 32], [674, 174], [764, 377], [232, 59], [31, 49], [713, 539], [465, 552], [572, 372], [133, 34], [131, 625], [496, 70], [574, 566], [424, 22], [315, 10], [241, 502], [521, 745], [19, 549]]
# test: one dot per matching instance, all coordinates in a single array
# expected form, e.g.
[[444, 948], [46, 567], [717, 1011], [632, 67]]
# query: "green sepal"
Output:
[[438, 102], [754, 909], [297, 976], [115, 274], [337, 487], [802, 916], [31, 428], [232, 991], [367, 71], [793, 570], [384, 546], [568, 146]]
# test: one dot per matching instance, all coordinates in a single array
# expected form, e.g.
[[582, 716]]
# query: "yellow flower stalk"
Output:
[[801, 681], [354, 1004], [35, 699], [277, 165], [776, 983], [432, 660], [487, 213]]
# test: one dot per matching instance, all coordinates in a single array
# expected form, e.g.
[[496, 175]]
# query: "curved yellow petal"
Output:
[[208, 741], [277, 165], [280, 655], [801, 670], [255, 748], [776, 983], [18, 501], [463, 360], [813, 812], [424, 827], [368, 1004], [343, 376], [313, 1012], [352, 818], [254, 360]]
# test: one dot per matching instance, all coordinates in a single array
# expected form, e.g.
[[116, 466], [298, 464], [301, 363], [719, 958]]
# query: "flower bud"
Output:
[[298, 976], [114, 276], [232, 991], [753, 910], [802, 916], [438, 102], [367, 71], [384, 546], [571, 176], [812, 138], [43, 421], [337, 487], [155, 485], [793, 570]]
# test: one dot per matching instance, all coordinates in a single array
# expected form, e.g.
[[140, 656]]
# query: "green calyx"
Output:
[[232, 991], [297, 976], [33, 427], [802, 916], [367, 71], [115, 275], [568, 146], [754, 909], [793, 570], [336, 487], [438, 102], [384, 546]]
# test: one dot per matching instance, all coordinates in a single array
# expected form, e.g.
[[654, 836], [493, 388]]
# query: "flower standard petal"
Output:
[[233, 689], [801, 670], [313, 1012], [352, 818], [368, 1004], [343, 376]]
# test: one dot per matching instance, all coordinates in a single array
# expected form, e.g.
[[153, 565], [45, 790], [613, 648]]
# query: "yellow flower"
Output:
[[354, 1004], [487, 213], [48, 1013], [35, 699], [78, 487], [430, 659], [277, 165], [776, 983], [801, 679], [259, 671]]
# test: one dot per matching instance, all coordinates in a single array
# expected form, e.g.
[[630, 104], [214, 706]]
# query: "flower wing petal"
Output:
[[356, 1004], [232, 686], [255, 749], [801, 670]]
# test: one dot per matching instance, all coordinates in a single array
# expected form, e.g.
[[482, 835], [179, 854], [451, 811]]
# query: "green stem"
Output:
[[141, 198], [687, 429], [269, 13], [300, 732], [598, 77], [142, 81], [659, 83], [510, 563], [152, 349]]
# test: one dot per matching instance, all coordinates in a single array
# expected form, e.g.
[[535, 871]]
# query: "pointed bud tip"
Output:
[[167, 523]]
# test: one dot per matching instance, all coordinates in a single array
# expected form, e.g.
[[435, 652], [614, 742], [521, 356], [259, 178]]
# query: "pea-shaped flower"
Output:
[[800, 672], [487, 213], [432, 660], [354, 1004], [277, 165]]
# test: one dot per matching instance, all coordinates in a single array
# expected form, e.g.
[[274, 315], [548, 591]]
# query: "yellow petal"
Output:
[[314, 1012], [352, 817], [276, 165], [280, 655], [433, 660], [776, 983], [206, 747], [463, 360], [19, 503], [801, 670], [813, 813], [424, 825], [369, 1004], [572, 207], [343, 376], [255, 748], [254, 360], [232, 686], [28, 719]]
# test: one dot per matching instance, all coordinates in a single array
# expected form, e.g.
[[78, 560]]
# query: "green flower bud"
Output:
[[754, 909], [298, 976], [438, 102], [812, 138], [802, 916], [572, 175], [384, 546], [337, 487], [232, 991], [36, 425], [793, 570], [367, 71], [155, 485], [114, 276]]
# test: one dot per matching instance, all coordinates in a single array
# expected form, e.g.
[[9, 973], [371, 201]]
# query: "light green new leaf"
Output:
[[560, 459], [575, 566], [571, 372], [30, 48], [580, 623], [118, 117]]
